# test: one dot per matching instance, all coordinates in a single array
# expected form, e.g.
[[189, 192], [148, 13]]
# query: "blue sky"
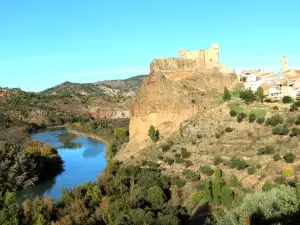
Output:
[[46, 42]]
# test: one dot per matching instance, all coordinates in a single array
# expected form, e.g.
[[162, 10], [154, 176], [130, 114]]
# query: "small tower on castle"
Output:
[[284, 64]]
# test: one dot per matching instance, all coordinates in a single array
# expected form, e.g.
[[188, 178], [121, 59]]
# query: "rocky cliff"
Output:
[[173, 91]]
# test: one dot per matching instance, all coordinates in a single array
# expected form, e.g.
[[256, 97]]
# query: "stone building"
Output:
[[206, 59]]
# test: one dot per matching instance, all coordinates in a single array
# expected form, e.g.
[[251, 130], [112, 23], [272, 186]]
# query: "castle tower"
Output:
[[284, 64], [214, 52]]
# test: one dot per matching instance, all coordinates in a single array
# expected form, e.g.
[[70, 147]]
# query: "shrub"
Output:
[[287, 171], [165, 147], [294, 108], [280, 130], [153, 134], [248, 96], [276, 157], [168, 160], [193, 101], [258, 166], [275, 107], [187, 163], [234, 181], [178, 158], [268, 100], [237, 163], [229, 129], [185, 154], [252, 117], [233, 112], [297, 122], [226, 95], [198, 136], [217, 160], [178, 182], [160, 157], [267, 186], [287, 100], [191, 175], [121, 132], [280, 180], [207, 170], [241, 116], [265, 150], [295, 132], [197, 197], [156, 196], [260, 120], [289, 157], [274, 120], [251, 170]]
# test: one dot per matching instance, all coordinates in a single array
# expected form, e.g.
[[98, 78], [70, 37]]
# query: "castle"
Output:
[[206, 59]]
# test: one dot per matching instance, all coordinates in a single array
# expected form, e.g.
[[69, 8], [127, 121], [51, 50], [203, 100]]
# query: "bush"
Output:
[[165, 147], [280, 130], [226, 95], [294, 108], [276, 157], [287, 100], [265, 150], [241, 116], [280, 180], [197, 197], [121, 132], [275, 107], [217, 160], [160, 157], [251, 170], [258, 166], [297, 122], [260, 120], [248, 96], [237, 163], [207, 170], [153, 134], [274, 120], [268, 100], [295, 132], [252, 117], [191, 175], [287, 171], [178, 182], [289, 157], [229, 129], [185, 154], [233, 112], [267, 186], [187, 163], [234, 181], [156, 196], [168, 160]]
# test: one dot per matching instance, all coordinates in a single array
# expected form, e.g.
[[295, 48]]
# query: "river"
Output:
[[84, 158]]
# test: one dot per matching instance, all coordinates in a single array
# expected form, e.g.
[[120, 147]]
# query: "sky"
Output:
[[46, 42]]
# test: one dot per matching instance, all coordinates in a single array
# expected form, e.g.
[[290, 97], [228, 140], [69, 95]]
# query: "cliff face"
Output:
[[173, 91]]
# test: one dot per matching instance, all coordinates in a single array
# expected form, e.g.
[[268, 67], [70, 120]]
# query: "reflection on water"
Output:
[[84, 159]]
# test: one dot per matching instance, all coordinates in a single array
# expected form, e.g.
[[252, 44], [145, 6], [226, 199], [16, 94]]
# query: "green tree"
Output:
[[287, 99], [156, 196], [153, 134], [226, 95], [248, 96], [259, 94]]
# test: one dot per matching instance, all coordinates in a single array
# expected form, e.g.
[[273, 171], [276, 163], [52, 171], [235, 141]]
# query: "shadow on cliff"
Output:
[[201, 215]]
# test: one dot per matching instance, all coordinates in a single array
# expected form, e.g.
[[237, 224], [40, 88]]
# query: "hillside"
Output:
[[69, 102]]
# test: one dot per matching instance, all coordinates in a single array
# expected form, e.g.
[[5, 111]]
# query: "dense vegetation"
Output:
[[121, 195]]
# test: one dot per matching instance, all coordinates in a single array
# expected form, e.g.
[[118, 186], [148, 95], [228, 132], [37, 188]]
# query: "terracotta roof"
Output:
[[297, 71]]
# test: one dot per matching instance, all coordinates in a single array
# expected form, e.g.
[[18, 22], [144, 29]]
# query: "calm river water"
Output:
[[84, 158]]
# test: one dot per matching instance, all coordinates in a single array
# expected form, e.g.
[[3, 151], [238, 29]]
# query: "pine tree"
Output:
[[226, 95]]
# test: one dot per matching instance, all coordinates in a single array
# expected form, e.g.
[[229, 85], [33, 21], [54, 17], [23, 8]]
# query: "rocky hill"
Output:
[[70, 101], [173, 92]]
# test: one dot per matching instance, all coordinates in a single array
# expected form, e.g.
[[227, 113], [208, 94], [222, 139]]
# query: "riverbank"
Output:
[[108, 141]]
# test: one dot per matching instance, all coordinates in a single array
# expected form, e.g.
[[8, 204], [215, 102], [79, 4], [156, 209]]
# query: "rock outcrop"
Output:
[[173, 91]]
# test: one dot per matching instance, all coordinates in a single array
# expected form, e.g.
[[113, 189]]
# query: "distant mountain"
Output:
[[112, 88]]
